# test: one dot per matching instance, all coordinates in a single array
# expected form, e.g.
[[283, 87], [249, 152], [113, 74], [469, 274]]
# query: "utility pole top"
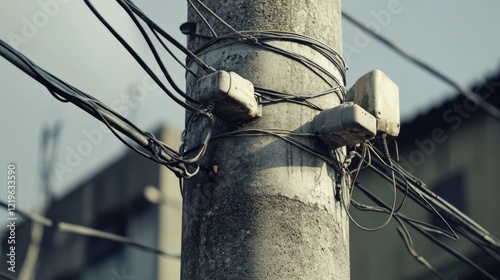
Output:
[[264, 206]]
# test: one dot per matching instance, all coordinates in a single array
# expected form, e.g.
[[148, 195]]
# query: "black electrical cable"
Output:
[[136, 56], [169, 38], [318, 46], [257, 37], [155, 33], [90, 105], [165, 155], [172, 165], [151, 46]]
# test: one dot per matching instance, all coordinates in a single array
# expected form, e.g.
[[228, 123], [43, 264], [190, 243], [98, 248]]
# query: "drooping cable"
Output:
[[403, 185], [425, 230], [463, 219], [452, 212], [405, 235], [446, 212], [90, 232], [393, 209], [136, 56], [160, 151]]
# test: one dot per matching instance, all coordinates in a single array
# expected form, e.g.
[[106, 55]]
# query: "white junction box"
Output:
[[378, 95], [346, 124], [232, 95]]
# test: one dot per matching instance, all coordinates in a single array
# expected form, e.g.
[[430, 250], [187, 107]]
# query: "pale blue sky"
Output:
[[461, 38]]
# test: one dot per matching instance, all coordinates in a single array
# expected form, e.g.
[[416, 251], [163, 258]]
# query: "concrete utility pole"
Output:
[[262, 208]]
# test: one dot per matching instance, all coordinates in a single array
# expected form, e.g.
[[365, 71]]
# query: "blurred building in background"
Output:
[[133, 197], [453, 148]]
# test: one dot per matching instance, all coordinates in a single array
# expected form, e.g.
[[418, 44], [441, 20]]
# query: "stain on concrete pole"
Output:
[[262, 208]]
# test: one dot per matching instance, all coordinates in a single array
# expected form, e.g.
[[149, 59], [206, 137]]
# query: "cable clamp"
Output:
[[229, 96]]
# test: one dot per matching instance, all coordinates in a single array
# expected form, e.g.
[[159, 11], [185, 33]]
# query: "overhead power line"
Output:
[[90, 232], [485, 105]]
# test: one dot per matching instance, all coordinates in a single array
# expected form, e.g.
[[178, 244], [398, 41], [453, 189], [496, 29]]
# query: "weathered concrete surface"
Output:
[[269, 212]]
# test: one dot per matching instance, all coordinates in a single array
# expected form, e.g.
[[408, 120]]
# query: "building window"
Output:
[[99, 248], [452, 189]]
